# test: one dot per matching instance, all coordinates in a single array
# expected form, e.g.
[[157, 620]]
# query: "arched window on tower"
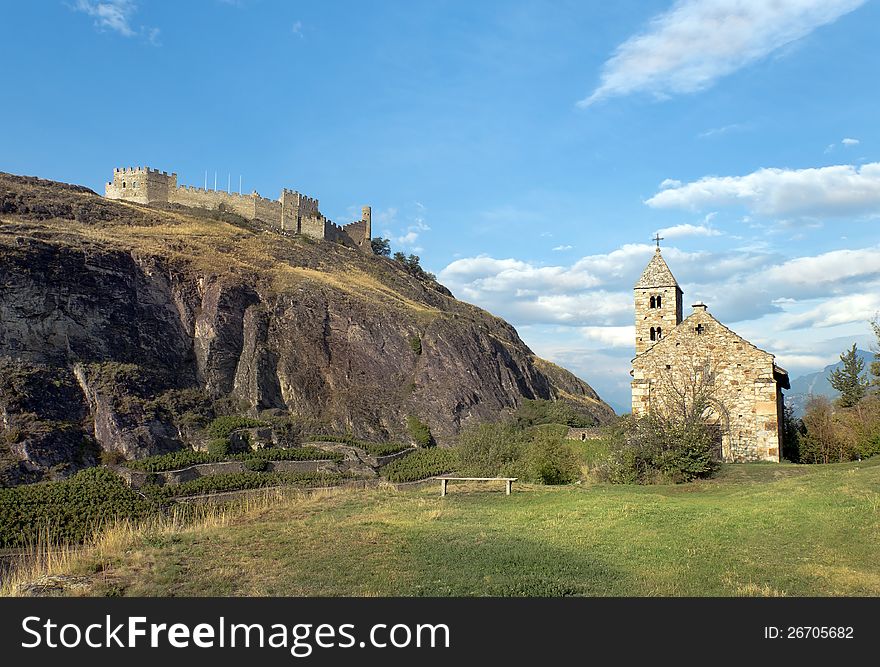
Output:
[[123, 183], [653, 302], [653, 333], [658, 301], [659, 333]]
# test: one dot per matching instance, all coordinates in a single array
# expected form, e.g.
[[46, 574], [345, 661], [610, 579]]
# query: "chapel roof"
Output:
[[656, 274]]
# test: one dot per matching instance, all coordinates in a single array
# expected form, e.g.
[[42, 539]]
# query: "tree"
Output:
[[677, 440], [792, 430], [875, 365], [821, 442], [381, 247], [848, 380]]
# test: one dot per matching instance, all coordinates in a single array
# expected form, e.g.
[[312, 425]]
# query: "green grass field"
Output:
[[758, 529]]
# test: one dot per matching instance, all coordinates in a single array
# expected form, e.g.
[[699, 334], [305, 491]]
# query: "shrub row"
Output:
[[372, 448], [222, 427], [240, 481], [68, 511], [188, 457], [421, 464]]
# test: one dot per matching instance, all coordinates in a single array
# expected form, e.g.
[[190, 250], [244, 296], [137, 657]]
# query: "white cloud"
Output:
[[561, 248], [850, 142], [688, 230], [819, 271], [718, 131], [836, 311], [408, 231], [297, 29], [696, 42], [816, 192], [614, 337], [116, 15]]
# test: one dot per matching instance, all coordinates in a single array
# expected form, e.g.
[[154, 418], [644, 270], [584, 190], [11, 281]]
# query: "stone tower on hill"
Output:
[[744, 382], [292, 213], [658, 303]]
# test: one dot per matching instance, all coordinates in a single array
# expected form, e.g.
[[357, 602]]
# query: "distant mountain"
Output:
[[818, 384]]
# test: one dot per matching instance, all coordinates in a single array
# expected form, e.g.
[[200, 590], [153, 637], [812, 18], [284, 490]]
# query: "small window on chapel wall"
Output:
[[653, 333], [653, 302], [658, 301], [659, 330]]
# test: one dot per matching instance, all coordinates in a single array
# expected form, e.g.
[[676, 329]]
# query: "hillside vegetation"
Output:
[[757, 529], [127, 328]]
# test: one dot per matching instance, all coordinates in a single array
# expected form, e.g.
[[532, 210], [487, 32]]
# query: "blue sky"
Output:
[[527, 151]]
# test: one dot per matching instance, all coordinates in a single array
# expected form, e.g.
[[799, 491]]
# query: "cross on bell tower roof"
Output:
[[657, 238]]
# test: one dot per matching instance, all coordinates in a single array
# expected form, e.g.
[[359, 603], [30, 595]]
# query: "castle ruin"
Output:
[[675, 354], [293, 212]]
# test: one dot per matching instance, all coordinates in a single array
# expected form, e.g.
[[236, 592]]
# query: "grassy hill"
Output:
[[126, 328], [758, 529]]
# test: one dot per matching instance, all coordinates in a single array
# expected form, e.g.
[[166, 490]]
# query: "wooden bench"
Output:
[[444, 480]]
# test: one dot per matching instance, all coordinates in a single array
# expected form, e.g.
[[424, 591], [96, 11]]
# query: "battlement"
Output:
[[292, 212], [141, 170]]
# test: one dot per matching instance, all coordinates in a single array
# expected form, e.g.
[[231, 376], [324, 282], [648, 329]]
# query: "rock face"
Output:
[[121, 326]]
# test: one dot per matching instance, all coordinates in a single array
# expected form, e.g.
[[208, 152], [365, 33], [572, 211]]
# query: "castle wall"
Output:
[[746, 395], [268, 210], [294, 212], [140, 184], [242, 205], [295, 207], [314, 226], [358, 233]]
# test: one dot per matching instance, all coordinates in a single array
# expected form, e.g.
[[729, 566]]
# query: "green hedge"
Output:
[[222, 427], [239, 481], [372, 448], [421, 464], [383, 448], [187, 457], [67, 511]]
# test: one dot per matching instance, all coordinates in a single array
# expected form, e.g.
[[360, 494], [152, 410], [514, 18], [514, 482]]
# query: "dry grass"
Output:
[[47, 567]]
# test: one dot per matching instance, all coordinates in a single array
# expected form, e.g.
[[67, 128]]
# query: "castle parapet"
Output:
[[293, 211]]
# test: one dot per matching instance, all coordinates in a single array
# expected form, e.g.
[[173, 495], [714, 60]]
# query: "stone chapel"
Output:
[[746, 384]]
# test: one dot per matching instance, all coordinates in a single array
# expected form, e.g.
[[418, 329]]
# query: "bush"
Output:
[[487, 450], [651, 450], [256, 464], [421, 464], [415, 342], [240, 481], [372, 448], [219, 447], [67, 511], [549, 460], [188, 457], [222, 427], [840, 434], [539, 411], [792, 430], [419, 432], [383, 448]]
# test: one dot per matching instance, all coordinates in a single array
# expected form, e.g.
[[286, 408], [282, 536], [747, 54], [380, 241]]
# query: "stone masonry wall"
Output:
[[357, 232], [747, 394], [294, 212], [242, 205], [666, 318]]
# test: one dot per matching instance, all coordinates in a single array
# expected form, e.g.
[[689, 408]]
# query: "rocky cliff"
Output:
[[123, 328]]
